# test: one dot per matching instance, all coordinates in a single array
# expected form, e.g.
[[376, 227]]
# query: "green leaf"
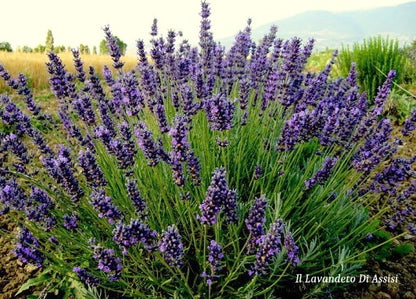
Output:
[[38, 280]]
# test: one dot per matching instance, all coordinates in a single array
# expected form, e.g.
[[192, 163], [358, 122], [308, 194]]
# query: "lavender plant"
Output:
[[210, 173]]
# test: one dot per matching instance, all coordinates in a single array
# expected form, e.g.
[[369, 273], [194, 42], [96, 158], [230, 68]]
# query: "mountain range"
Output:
[[335, 29]]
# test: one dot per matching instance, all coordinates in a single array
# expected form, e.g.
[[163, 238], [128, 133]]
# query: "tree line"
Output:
[[49, 45]]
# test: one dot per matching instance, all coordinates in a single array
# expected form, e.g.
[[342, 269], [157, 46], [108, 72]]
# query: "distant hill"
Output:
[[332, 30]]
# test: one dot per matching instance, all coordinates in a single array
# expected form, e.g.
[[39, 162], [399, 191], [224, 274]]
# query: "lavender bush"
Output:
[[200, 172]]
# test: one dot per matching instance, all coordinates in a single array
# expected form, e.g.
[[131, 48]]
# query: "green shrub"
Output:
[[374, 58]]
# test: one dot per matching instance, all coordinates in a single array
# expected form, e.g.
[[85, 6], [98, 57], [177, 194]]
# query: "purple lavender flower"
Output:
[[215, 198], [215, 260], [388, 180], [255, 221], [16, 146], [293, 129], [180, 144], [27, 248], [105, 208], [104, 134], [189, 106], [4, 73], [53, 240], [220, 112], [194, 167], [383, 92], [40, 142], [230, 207], [13, 116], [91, 170], [28, 95], [206, 40], [147, 144], [12, 195], [375, 149], [412, 228], [124, 151], [70, 128], [141, 53], [61, 169], [94, 86], [78, 64], [85, 277], [39, 208], [161, 117], [258, 172], [244, 93], [222, 142], [171, 246], [107, 262], [131, 94], [134, 195], [128, 235], [70, 222], [85, 110], [410, 124], [271, 87], [291, 250], [177, 172], [60, 80], [153, 31], [269, 246], [106, 119], [322, 174], [113, 48]]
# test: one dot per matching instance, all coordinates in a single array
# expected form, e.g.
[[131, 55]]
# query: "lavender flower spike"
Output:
[[85, 277], [180, 144], [147, 144], [107, 262], [27, 248], [268, 246], [104, 206], [128, 235], [114, 49], [323, 174], [220, 112], [91, 170], [215, 198], [171, 246], [291, 249], [255, 221], [215, 260]]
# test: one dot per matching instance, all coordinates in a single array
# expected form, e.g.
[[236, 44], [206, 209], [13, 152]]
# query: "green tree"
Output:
[[84, 49], [49, 41], [27, 49], [39, 49], [122, 45], [6, 47], [94, 50]]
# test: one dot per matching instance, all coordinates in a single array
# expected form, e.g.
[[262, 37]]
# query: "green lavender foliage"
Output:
[[329, 221]]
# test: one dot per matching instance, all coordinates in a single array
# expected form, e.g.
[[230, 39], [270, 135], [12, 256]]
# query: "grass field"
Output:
[[33, 65]]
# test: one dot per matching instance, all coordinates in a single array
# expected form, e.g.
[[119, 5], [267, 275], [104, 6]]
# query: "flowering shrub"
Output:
[[201, 172]]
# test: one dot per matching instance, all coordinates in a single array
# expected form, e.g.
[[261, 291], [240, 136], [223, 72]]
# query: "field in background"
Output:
[[33, 65]]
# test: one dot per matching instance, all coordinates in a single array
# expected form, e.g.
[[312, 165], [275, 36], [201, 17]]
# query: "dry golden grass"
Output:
[[33, 65]]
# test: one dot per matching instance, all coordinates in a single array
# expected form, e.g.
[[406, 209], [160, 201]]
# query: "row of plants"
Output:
[[201, 173]]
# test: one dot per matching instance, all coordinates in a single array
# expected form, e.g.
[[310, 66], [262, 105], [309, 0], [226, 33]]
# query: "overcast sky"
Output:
[[25, 22]]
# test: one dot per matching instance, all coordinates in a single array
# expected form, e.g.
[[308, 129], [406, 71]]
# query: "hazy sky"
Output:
[[25, 22]]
